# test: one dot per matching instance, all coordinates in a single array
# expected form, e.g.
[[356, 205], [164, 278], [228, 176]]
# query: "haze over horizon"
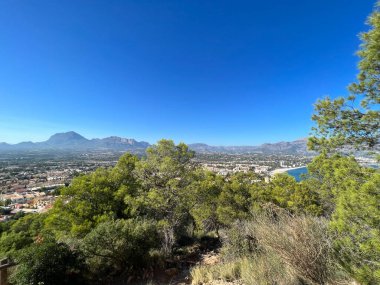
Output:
[[92, 138], [241, 73]]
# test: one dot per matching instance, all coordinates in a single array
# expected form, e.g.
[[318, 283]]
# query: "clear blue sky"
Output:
[[219, 72]]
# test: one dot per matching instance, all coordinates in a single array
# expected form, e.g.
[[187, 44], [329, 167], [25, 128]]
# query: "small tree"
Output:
[[164, 176], [351, 192], [356, 220], [206, 189], [235, 198], [343, 121]]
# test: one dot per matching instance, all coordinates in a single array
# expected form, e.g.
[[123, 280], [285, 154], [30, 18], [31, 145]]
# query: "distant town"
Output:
[[28, 180], [30, 177]]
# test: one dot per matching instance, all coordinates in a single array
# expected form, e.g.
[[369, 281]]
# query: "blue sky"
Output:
[[219, 72]]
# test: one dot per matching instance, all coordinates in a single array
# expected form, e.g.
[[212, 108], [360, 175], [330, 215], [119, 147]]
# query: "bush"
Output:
[[119, 246], [238, 241], [10, 242], [276, 248], [267, 269], [47, 263], [301, 242], [356, 222]]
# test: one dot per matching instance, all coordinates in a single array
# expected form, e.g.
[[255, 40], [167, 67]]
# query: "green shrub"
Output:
[[119, 246], [48, 263], [10, 242], [356, 222]]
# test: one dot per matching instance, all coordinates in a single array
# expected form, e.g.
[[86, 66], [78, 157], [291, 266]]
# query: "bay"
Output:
[[296, 173]]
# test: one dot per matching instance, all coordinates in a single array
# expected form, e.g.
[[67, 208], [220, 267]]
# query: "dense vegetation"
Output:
[[124, 221]]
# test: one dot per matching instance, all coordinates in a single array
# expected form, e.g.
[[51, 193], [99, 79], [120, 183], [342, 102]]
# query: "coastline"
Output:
[[283, 170]]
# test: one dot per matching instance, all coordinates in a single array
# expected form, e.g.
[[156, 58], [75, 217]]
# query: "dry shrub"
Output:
[[301, 242], [277, 248], [227, 271], [266, 269], [238, 241]]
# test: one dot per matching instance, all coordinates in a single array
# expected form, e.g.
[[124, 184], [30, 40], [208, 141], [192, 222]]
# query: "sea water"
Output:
[[296, 173]]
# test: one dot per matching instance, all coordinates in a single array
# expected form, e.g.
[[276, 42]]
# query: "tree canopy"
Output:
[[354, 120]]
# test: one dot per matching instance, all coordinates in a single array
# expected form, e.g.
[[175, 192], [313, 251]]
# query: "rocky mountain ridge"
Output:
[[294, 147], [74, 141]]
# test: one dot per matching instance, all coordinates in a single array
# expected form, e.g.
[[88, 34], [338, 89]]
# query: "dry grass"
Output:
[[289, 250], [203, 274], [266, 269], [301, 242]]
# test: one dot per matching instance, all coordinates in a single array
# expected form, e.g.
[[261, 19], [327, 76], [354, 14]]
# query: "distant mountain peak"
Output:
[[67, 138], [74, 141]]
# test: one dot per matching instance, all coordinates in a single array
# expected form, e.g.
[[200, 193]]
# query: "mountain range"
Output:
[[74, 141], [294, 147]]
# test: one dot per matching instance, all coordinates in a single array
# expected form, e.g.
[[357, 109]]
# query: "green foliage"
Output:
[[125, 183], [206, 189], [369, 65], [343, 121], [47, 263], [350, 195], [296, 197], [22, 233], [118, 246], [33, 224], [235, 200], [305, 200], [165, 176], [89, 200], [163, 163], [357, 222], [12, 241], [331, 175], [115, 217]]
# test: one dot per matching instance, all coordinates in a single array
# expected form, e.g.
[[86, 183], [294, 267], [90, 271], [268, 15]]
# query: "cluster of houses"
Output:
[[228, 168], [27, 200]]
